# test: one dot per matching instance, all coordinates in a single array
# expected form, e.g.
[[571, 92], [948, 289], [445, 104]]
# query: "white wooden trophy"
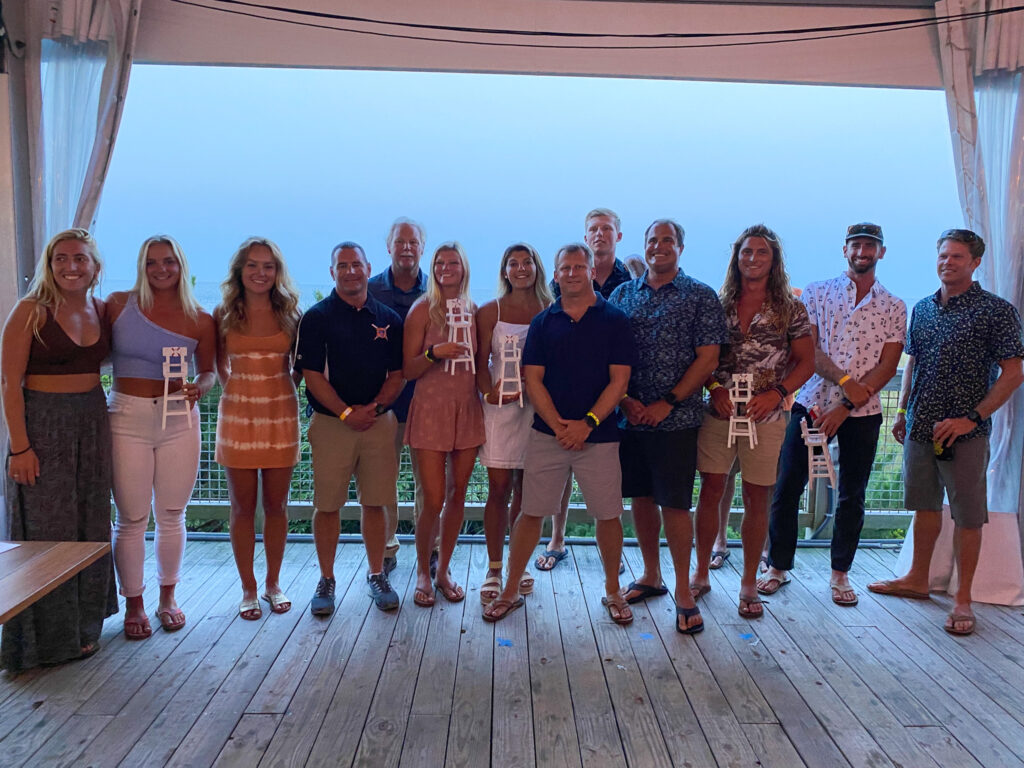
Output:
[[460, 331], [819, 458], [740, 425], [509, 381], [175, 367]]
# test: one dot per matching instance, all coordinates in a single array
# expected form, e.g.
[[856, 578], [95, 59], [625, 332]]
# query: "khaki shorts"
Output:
[[758, 466], [340, 452], [547, 469]]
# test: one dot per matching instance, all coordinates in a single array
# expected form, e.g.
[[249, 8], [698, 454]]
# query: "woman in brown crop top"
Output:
[[59, 465]]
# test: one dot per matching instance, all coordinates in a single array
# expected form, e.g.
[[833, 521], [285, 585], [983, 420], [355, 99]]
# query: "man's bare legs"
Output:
[[524, 539], [712, 486], [966, 549], [752, 533], [558, 522], [724, 509], [679, 533], [647, 521]]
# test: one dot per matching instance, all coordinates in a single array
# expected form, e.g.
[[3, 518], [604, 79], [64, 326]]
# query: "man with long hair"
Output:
[[770, 340]]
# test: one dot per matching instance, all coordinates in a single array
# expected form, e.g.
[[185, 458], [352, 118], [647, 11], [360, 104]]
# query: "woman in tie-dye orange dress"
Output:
[[258, 418]]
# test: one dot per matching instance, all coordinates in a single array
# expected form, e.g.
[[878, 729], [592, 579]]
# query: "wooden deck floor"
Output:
[[555, 684]]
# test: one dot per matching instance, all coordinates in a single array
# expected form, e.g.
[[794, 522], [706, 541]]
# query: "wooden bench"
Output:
[[36, 568]]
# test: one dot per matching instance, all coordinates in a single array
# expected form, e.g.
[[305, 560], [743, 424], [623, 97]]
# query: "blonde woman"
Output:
[[155, 467], [445, 421], [258, 419], [58, 467], [522, 294]]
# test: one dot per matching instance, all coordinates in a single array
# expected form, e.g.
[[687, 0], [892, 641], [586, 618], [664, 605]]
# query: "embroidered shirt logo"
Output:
[[382, 333]]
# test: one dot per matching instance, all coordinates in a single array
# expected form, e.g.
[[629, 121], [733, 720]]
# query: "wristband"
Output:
[[345, 413], [847, 404], [429, 354], [844, 379], [18, 453], [714, 385], [780, 391], [592, 420], [902, 410], [624, 397]]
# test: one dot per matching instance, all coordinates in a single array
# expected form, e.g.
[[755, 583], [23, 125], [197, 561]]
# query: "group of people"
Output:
[[615, 359]]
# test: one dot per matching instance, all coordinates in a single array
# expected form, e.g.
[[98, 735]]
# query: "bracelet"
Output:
[[18, 453], [845, 378], [592, 420], [902, 410], [714, 385], [345, 413], [624, 398], [429, 354], [781, 391]]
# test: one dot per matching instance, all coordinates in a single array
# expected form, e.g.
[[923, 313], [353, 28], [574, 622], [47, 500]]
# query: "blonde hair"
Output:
[[540, 285], [437, 310], [144, 294], [284, 298], [780, 294], [607, 212], [43, 289]]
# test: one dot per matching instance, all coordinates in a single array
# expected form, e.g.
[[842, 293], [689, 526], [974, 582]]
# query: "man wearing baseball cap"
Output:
[[858, 329]]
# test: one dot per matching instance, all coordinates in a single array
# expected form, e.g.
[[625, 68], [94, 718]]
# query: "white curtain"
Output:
[[79, 55], [982, 66]]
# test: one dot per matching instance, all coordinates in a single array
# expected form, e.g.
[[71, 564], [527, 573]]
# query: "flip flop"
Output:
[[838, 590], [171, 619], [490, 589], [615, 601], [453, 593], [558, 556], [953, 618], [137, 629], [644, 590], [687, 613], [767, 589], [279, 602], [699, 590], [748, 612], [490, 618], [890, 587], [526, 584], [722, 555], [250, 610]]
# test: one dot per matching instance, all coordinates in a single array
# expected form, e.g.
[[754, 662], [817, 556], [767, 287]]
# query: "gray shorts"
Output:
[[547, 469], [963, 478]]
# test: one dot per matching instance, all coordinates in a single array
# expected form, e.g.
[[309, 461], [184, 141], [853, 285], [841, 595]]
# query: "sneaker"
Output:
[[379, 588], [433, 565], [322, 603], [390, 563]]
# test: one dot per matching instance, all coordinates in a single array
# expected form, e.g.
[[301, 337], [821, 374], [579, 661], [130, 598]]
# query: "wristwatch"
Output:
[[670, 398], [380, 410], [848, 404], [974, 416]]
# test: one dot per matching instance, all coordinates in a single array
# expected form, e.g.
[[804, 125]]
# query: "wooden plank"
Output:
[[248, 741], [64, 746], [555, 740], [53, 563], [469, 728], [773, 747], [422, 745], [946, 751]]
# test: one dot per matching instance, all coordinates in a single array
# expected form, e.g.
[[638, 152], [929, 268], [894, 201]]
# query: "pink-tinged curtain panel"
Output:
[[79, 55]]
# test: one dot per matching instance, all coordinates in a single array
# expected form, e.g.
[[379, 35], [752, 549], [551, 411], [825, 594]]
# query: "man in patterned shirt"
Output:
[[678, 325], [769, 338], [858, 328], [965, 353]]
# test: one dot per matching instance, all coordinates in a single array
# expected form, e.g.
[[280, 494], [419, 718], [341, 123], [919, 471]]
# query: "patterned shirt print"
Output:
[[669, 324], [763, 351], [956, 350], [852, 335]]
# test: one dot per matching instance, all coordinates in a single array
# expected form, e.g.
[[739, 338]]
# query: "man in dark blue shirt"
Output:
[[350, 353], [576, 361], [965, 351], [398, 287], [678, 324]]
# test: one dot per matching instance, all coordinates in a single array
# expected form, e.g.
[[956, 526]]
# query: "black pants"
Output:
[[858, 439]]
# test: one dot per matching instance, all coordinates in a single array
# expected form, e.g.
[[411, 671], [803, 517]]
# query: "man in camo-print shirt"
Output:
[[965, 354]]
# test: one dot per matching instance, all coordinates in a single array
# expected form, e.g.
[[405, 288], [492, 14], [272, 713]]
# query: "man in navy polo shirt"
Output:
[[678, 324], [350, 352], [398, 287], [965, 351], [576, 361]]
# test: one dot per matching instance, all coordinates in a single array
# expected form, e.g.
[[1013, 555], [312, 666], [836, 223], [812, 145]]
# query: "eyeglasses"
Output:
[[868, 230], [960, 235]]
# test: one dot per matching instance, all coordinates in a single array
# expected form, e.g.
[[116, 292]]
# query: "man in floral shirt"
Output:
[[859, 329], [770, 338], [965, 354]]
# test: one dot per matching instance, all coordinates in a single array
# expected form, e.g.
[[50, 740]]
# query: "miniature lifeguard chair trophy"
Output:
[[175, 367], [740, 424], [510, 382], [819, 458], [460, 331]]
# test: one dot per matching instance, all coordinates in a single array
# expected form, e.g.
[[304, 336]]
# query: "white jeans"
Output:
[[154, 468]]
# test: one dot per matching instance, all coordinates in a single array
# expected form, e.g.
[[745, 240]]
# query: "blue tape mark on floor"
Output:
[[504, 643]]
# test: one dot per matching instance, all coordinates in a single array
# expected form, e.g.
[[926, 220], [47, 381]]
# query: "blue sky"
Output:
[[311, 157]]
